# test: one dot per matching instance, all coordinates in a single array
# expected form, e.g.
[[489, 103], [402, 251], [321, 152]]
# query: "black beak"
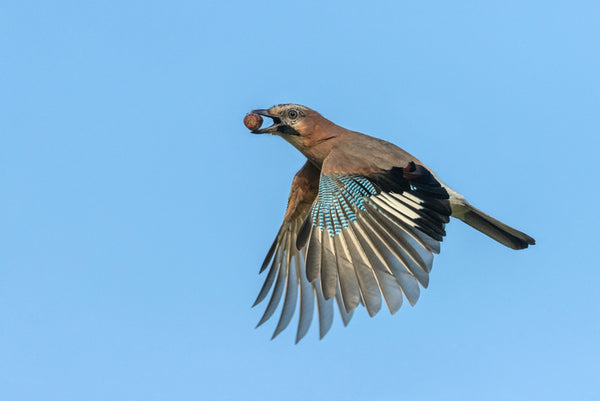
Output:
[[270, 129]]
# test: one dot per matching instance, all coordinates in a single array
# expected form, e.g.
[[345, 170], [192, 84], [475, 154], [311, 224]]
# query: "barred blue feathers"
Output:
[[339, 196]]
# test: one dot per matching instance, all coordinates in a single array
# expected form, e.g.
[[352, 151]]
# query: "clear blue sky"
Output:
[[136, 208]]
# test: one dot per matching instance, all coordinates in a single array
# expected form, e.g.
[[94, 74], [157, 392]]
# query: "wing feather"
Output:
[[348, 282], [407, 281], [409, 257], [392, 293], [369, 289], [278, 290], [268, 281], [307, 299], [313, 256], [329, 274], [291, 289], [324, 308]]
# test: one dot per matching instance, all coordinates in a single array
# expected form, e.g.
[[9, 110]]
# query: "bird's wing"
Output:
[[373, 232], [355, 233], [286, 275]]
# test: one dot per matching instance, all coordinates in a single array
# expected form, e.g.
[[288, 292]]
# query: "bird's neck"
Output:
[[317, 146]]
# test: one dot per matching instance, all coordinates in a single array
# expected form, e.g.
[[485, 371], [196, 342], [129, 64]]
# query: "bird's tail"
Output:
[[488, 225]]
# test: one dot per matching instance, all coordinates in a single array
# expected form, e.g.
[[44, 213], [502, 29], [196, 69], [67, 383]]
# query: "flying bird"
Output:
[[363, 221]]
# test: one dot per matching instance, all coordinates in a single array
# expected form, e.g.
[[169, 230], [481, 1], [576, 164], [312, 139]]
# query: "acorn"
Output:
[[253, 121]]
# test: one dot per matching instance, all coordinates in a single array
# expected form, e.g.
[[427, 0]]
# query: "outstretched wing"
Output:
[[358, 237], [373, 233], [286, 264]]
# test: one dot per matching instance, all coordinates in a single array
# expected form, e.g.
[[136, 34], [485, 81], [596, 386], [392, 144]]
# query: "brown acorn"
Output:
[[253, 121]]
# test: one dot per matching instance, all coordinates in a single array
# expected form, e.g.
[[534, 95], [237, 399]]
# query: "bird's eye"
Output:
[[293, 114]]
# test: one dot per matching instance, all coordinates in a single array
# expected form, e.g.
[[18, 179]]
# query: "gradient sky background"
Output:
[[136, 208]]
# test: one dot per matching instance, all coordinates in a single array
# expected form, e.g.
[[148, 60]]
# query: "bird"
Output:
[[363, 221]]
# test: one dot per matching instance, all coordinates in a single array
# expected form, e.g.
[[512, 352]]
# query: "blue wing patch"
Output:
[[339, 197]]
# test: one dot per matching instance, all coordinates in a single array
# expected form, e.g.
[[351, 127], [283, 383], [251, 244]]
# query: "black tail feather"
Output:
[[493, 228]]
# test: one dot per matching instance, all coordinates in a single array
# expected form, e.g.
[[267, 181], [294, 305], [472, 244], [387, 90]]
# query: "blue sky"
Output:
[[136, 208]]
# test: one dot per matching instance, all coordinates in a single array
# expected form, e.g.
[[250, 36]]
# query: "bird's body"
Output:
[[363, 221]]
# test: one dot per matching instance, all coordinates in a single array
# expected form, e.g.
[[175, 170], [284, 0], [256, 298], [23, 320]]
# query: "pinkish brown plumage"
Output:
[[363, 221]]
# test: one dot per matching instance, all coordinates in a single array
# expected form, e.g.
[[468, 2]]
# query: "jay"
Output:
[[363, 221]]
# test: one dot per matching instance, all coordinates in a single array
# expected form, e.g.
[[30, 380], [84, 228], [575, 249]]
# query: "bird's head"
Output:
[[288, 119], [304, 128]]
